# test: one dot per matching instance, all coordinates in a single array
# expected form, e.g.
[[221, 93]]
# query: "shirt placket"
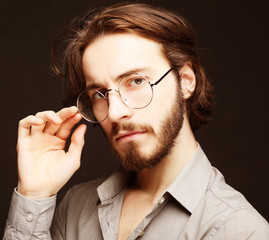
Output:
[[145, 224], [109, 214]]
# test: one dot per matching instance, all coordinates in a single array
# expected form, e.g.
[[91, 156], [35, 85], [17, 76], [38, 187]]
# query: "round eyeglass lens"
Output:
[[135, 91], [93, 105]]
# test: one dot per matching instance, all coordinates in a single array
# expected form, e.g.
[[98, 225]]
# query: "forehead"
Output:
[[113, 55]]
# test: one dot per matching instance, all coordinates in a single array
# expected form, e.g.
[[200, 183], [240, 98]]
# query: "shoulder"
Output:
[[243, 223], [235, 217], [226, 197]]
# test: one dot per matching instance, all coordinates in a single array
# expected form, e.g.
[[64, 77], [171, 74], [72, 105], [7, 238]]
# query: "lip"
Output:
[[128, 135]]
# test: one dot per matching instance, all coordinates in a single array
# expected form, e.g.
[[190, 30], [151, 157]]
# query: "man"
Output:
[[133, 69]]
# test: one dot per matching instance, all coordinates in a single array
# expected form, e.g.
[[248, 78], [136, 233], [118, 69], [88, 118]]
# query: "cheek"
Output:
[[163, 99], [152, 115]]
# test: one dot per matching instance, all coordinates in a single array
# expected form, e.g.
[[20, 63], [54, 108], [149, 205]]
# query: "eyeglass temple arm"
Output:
[[153, 84]]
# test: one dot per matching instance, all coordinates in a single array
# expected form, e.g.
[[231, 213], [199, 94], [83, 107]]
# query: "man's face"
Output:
[[140, 137]]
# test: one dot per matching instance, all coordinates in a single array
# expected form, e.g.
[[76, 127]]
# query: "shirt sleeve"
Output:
[[243, 225], [29, 219]]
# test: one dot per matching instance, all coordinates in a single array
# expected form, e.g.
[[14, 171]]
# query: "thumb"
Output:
[[77, 142]]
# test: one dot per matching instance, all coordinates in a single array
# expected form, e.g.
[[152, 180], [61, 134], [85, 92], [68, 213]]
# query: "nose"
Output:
[[117, 109]]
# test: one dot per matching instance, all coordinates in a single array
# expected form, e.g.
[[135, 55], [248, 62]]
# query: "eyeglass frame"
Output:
[[105, 95]]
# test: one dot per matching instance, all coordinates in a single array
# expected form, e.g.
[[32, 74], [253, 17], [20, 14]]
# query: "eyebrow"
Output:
[[132, 71], [95, 85]]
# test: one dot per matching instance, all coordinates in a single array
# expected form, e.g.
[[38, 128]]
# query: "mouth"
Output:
[[126, 136]]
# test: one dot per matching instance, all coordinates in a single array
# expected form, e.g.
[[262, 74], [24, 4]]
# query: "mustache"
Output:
[[117, 127]]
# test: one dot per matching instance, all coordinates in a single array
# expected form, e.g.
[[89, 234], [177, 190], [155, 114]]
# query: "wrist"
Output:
[[33, 195]]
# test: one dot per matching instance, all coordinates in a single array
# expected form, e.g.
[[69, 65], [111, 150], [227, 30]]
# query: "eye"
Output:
[[135, 82], [96, 95]]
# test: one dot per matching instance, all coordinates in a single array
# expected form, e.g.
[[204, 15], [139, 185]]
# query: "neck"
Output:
[[155, 180]]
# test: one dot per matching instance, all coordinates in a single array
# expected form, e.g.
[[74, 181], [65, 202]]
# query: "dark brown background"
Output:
[[233, 41]]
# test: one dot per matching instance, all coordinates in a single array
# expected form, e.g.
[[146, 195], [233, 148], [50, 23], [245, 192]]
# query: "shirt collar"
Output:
[[113, 185], [190, 185], [188, 188]]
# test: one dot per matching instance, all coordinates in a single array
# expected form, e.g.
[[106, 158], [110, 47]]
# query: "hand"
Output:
[[43, 164]]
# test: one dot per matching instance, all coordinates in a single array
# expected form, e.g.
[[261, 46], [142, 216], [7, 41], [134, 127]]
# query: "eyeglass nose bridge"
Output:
[[124, 99], [111, 90]]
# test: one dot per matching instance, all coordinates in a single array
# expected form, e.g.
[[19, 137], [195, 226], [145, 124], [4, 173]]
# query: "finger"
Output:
[[63, 114], [77, 143], [67, 112], [66, 128], [48, 117], [26, 124]]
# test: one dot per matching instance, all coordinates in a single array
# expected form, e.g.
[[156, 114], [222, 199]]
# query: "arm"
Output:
[[28, 218], [43, 168]]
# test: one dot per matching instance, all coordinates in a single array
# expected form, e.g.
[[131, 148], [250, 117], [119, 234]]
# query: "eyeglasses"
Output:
[[135, 91]]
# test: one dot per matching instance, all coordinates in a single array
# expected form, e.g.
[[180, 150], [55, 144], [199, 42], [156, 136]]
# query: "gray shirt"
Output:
[[197, 205]]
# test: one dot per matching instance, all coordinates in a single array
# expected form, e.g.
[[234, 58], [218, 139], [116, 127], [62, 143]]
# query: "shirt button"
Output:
[[161, 201], [29, 217]]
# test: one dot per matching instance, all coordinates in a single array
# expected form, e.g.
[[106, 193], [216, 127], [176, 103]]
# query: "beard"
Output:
[[132, 159]]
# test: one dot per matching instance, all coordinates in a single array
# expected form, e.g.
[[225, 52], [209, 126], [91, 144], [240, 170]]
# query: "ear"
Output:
[[188, 80]]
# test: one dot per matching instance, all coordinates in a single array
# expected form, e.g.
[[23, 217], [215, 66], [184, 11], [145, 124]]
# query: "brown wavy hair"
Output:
[[172, 31]]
